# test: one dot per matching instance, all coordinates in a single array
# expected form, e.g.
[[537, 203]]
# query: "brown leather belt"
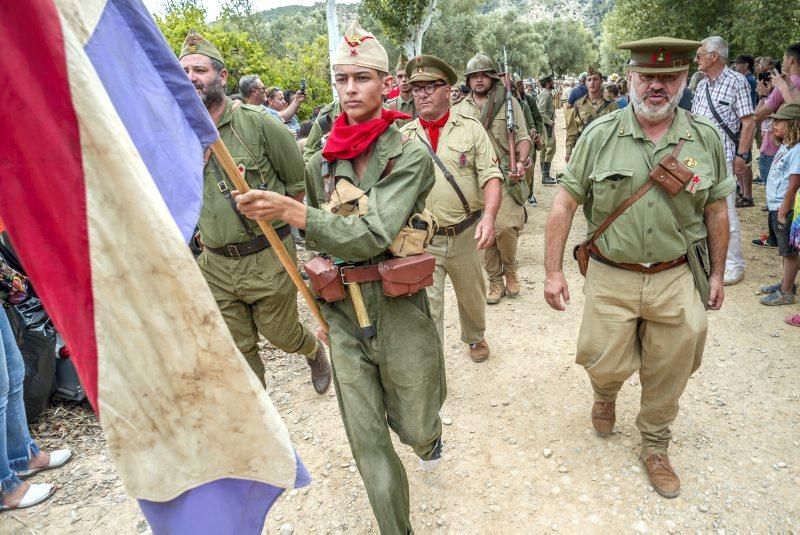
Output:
[[458, 228], [259, 243], [655, 268], [359, 274]]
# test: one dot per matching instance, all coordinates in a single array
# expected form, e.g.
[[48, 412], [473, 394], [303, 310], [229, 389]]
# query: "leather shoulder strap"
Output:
[[448, 175]]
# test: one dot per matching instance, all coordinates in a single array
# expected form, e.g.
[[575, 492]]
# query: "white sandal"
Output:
[[36, 494], [58, 458]]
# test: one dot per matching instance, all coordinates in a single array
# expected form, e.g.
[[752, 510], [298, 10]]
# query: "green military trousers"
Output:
[[458, 257], [654, 324], [394, 380], [548, 150], [255, 294]]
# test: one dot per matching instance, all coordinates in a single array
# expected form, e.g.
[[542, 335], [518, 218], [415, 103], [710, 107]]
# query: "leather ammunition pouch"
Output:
[[670, 173], [325, 279], [406, 276]]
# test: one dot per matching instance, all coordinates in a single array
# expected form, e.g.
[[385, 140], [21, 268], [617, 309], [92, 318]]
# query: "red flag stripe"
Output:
[[43, 200]]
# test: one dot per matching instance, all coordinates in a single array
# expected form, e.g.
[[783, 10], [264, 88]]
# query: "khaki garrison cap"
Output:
[[660, 54], [401, 62], [359, 47], [197, 44], [425, 68]]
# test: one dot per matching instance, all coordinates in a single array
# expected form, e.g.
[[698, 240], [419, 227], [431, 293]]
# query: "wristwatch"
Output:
[[746, 156]]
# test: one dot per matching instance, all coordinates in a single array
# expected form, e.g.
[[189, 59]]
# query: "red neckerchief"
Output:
[[434, 128], [348, 141]]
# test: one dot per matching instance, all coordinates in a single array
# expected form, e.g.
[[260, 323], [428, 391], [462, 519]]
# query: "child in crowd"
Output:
[[782, 186]]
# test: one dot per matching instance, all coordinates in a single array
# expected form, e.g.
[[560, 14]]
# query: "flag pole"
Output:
[[225, 159]]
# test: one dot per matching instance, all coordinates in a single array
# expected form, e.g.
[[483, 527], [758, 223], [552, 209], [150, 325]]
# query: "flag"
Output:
[[101, 176]]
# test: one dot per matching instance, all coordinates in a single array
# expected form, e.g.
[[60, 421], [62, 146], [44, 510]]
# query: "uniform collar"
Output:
[[679, 129]]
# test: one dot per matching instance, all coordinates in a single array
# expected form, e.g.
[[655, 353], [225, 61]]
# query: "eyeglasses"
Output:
[[697, 56], [427, 89]]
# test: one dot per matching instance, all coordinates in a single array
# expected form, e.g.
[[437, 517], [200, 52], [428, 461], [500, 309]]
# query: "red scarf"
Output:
[[434, 128], [348, 141]]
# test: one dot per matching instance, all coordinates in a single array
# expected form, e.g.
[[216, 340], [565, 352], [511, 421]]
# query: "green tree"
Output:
[[523, 43], [404, 21], [568, 46], [453, 35]]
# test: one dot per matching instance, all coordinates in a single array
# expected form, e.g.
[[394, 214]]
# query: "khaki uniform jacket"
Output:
[[544, 101], [406, 106], [583, 113], [465, 149], [392, 199], [608, 167], [271, 159]]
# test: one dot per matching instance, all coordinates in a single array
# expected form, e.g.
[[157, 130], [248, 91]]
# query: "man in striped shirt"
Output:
[[723, 96]]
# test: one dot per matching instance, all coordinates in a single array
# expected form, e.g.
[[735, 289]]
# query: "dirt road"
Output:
[[521, 456]]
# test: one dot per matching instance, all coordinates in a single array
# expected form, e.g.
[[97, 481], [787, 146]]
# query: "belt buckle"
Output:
[[450, 231], [222, 187], [342, 270], [233, 250]]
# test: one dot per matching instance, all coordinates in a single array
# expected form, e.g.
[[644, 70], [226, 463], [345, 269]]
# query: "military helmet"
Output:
[[481, 63]]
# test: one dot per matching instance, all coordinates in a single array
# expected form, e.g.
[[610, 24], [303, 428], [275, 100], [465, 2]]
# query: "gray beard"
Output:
[[654, 113], [212, 94]]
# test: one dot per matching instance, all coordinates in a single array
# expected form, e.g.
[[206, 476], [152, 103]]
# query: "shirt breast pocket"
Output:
[[692, 204], [460, 157], [610, 188]]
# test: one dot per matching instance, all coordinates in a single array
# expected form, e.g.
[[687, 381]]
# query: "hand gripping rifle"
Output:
[[512, 146]]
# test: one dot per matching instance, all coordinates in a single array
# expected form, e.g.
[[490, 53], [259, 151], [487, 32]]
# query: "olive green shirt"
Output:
[[405, 106], [392, 199], [465, 149], [316, 138], [271, 159], [497, 129], [544, 101], [608, 167], [537, 122], [583, 113]]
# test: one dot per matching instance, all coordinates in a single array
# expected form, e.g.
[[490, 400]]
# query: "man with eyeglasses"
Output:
[[252, 90], [723, 97], [642, 311], [487, 103], [465, 197]]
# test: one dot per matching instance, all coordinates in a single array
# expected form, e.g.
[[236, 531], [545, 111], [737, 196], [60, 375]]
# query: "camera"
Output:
[[764, 76], [303, 86]]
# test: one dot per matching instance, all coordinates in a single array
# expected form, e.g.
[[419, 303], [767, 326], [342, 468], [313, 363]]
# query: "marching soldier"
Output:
[[392, 377], [254, 292], [320, 129], [653, 269], [487, 103], [535, 126], [465, 197], [587, 108], [544, 102], [403, 102]]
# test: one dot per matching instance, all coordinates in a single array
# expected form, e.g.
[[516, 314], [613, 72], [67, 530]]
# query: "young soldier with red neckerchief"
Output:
[[397, 376]]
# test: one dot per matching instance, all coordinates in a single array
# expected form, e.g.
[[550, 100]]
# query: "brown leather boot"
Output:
[[479, 352], [512, 282], [496, 291], [603, 417], [663, 478], [320, 370]]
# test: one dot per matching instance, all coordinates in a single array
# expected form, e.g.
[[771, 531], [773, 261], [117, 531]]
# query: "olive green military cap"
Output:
[[787, 112], [546, 78], [481, 63], [425, 68], [197, 44], [402, 60], [661, 54], [359, 47]]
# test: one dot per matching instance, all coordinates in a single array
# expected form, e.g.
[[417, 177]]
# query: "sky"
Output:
[[213, 6]]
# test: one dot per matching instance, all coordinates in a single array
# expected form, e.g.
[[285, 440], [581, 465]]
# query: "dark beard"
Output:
[[212, 94]]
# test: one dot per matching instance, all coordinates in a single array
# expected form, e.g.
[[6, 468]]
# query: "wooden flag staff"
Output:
[[225, 159]]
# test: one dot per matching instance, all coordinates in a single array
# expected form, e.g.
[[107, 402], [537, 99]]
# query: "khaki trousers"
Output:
[[395, 380], [255, 294], [655, 324], [548, 150], [501, 256], [459, 258]]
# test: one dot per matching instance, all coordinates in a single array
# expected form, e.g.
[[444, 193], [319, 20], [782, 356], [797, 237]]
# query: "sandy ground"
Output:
[[521, 456]]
